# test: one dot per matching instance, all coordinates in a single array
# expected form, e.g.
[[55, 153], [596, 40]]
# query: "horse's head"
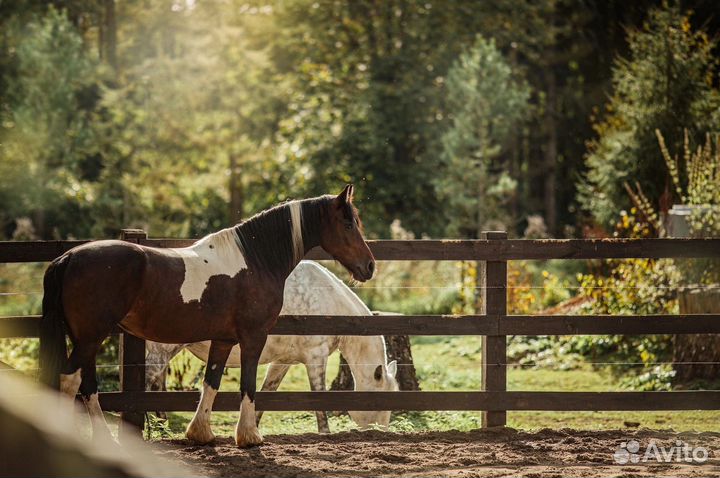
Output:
[[341, 237], [381, 380]]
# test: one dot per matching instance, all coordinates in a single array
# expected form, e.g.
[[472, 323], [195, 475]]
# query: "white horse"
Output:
[[309, 290]]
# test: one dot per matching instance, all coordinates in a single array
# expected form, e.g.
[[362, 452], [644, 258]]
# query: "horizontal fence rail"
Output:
[[428, 325], [478, 401], [445, 250], [493, 324]]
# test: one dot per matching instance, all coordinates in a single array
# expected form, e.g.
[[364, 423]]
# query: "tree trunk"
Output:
[[551, 152], [705, 348], [398, 348], [236, 192], [344, 379]]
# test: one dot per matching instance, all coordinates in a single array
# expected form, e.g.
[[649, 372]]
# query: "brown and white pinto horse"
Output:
[[227, 288]]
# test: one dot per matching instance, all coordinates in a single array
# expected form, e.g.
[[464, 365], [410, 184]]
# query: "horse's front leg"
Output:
[[199, 428], [316, 375], [246, 432]]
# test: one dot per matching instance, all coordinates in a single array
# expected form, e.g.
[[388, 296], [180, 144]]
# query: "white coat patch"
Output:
[[215, 255]]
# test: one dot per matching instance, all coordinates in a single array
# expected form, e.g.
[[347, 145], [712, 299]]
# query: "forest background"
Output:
[[545, 118]]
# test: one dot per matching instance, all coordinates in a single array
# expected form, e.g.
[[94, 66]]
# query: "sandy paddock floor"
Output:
[[482, 453]]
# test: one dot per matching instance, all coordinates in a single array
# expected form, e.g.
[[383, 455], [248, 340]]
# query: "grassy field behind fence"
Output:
[[452, 363], [443, 363]]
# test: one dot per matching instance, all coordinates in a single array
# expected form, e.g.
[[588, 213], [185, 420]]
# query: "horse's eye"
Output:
[[348, 226]]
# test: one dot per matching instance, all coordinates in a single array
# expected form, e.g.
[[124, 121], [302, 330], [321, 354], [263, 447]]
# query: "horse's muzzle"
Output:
[[364, 272]]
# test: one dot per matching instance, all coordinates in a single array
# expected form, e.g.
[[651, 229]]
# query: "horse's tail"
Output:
[[53, 349]]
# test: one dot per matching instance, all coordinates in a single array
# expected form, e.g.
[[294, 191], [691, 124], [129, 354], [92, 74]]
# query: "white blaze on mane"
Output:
[[214, 255], [296, 226]]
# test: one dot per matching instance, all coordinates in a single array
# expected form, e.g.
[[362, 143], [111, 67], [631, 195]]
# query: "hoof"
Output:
[[199, 435], [247, 437], [103, 437]]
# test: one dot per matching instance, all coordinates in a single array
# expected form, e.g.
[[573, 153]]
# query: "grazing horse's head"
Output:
[[341, 237]]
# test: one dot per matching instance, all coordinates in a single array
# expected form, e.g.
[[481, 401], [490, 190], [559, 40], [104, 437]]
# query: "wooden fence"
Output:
[[493, 325]]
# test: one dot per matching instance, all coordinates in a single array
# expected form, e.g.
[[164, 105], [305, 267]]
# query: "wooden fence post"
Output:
[[132, 363], [493, 280]]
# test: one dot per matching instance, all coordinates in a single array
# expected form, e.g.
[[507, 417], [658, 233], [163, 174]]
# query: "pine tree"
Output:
[[486, 101], [665, 84]]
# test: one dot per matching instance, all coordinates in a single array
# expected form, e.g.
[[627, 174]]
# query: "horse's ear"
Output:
[[346, 196], [392, 368], [378, 372]]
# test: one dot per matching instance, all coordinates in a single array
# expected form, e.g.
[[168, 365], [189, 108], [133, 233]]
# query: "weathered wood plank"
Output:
[[609, 324], [536, 249], [530, 249], [452, 250], [27, 326], [493, 275], [165, 243], [132, 379], [132, 362], [19, 327], [492, 401], [34, 251], [386, 325]]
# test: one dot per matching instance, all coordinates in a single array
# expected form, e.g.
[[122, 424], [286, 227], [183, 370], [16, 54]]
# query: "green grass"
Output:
[[453, 363]]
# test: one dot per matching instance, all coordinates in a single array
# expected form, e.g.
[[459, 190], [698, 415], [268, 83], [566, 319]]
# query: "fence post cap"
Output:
[[494, 234], [133, 234]]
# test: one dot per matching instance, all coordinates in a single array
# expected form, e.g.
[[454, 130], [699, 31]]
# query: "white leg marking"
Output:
[[199, 429], [70, 384], [246, 432], [97, 419]]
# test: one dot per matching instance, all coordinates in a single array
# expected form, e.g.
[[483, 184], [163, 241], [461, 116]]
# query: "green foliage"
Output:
[[486, 101], [301, 96], [412, 287], [87, 150], [631, 287], [157, 428], [697, 184], [46, 138], [702, 181], [170, 128], [665, 84], [185, 372], [367, 104]]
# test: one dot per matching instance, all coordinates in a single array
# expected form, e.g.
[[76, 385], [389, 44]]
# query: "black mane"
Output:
[[266, 238]]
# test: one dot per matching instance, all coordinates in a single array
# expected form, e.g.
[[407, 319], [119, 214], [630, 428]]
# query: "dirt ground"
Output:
[[482, 453]]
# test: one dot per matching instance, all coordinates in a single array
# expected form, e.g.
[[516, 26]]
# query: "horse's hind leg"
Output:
[[275, 374], [79, 375], [157, 361], [316, 375], [71, 377], [89, 392], [198, 429], [82, 376], [70, 381]]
